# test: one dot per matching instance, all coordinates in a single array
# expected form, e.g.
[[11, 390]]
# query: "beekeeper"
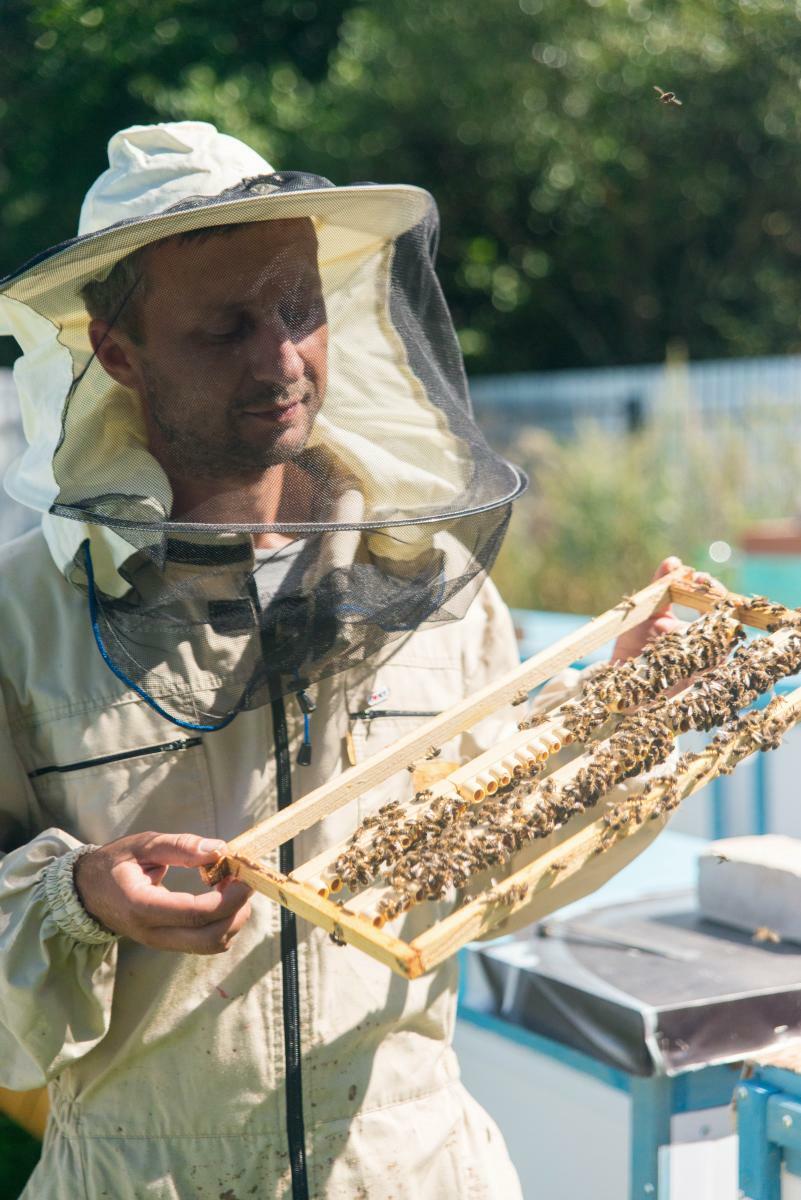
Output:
[[267, 521]]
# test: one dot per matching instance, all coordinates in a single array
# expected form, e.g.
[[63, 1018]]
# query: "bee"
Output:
[[667, 97], [471, 864], [535, 720], [436, 887], [765, 934], [607, 840], [638, 810], [627, 603], [391, 907], [513, 895]]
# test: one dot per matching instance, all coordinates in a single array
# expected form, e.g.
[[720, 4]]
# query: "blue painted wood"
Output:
[[538, 629], [792, 1161], [719, 822], [760, 1159], [761, 792], [651, 1107], [710, 1087], [462, 960], [778, 1079], [784, 1121], [653, 1103]]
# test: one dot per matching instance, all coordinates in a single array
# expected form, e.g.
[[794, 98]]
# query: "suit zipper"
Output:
[[164, 748], [293, 1082], [290, 991]]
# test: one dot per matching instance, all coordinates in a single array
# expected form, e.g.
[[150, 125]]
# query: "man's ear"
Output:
[[113, 350]]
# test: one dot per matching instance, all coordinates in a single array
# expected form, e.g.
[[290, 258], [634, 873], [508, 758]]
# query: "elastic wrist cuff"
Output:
[[65, 904]]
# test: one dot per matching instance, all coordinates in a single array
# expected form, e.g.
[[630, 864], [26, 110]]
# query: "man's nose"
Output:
[[274, 357]]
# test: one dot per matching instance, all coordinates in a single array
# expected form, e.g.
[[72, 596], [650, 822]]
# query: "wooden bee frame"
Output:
[[307, 890]]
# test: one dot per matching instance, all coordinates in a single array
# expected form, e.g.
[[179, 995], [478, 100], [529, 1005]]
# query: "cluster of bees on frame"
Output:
[[439, 843], [759, 730]]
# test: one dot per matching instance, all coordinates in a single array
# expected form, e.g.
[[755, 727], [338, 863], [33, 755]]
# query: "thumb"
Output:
[[181, 850], [665, 567]]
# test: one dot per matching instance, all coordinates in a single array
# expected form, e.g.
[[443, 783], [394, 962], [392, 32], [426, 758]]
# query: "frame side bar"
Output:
[[392, 951]]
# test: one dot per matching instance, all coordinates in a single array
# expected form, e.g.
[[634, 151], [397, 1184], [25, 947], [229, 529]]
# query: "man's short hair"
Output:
[[117, 298], [113, 299]]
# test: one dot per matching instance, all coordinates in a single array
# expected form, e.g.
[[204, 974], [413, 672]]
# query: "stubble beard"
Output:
[[228, 454]]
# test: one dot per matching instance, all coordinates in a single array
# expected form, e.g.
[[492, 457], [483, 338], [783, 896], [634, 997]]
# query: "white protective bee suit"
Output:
[[166, 1071]]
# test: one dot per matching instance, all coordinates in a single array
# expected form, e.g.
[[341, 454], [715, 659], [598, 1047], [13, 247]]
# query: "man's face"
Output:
[[231, 363]]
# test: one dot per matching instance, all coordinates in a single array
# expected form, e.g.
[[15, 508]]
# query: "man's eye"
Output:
[[231, 333], [303, 314]]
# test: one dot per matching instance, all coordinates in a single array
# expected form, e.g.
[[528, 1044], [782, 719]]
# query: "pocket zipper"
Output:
[[165, 747], [373, 714]]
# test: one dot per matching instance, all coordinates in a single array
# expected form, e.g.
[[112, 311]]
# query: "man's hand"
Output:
[[120, 885], [662, 620]]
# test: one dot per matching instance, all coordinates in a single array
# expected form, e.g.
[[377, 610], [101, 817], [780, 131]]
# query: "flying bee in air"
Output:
[[667, 97]]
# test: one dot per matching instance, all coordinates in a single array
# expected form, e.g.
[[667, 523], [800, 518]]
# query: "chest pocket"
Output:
[[162, 786], [403, 694]]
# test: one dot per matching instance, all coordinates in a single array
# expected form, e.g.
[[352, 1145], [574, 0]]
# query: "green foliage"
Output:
[[583, 221], [19, 1154], [72, 72]]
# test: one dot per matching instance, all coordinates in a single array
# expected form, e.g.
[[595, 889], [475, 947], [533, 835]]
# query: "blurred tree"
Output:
[[72, 72], [584, 222]]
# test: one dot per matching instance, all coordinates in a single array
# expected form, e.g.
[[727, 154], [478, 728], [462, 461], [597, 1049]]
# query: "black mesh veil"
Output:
[[266, 469]]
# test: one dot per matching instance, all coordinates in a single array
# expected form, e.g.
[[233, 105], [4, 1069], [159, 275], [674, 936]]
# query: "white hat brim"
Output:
[[348, 220]]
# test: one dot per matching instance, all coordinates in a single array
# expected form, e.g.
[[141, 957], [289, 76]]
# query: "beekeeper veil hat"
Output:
[[248, 423]]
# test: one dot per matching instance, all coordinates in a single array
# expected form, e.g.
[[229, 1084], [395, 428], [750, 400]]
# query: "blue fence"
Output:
[[622, 399]]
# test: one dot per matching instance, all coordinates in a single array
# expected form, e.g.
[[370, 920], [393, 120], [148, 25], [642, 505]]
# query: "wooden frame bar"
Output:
[[306, 891]]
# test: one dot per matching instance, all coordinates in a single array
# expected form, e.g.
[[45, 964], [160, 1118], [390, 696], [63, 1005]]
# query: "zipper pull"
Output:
[[307, 707], [350, 748]]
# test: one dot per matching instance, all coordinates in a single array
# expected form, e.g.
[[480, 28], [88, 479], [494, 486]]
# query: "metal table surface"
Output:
[[644, 986]]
